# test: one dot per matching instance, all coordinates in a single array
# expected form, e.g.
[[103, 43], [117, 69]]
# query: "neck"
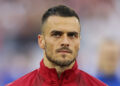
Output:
[[59, 69]]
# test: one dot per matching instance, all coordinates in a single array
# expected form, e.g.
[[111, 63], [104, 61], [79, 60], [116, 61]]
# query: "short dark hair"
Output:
[[59, 10]]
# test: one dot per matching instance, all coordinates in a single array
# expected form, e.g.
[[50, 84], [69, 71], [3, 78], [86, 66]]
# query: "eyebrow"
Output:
[[73, 32], [68, 33], [55, 31]]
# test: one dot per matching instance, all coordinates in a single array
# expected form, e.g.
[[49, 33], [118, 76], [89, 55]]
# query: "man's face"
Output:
[[61, 39]]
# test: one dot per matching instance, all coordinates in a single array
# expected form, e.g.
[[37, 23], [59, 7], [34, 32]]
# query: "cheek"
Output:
[[76, 49], [50, 47], [52, 43], [77, 45]]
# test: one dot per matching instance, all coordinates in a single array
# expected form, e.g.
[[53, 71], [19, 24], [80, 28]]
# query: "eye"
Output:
[[56, 34], [72, 35]]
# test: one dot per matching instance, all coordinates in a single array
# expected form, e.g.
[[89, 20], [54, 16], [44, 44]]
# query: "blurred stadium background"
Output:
[[20, 25]]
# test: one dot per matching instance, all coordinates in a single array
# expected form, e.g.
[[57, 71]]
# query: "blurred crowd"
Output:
[[108, 61], [99, 54]]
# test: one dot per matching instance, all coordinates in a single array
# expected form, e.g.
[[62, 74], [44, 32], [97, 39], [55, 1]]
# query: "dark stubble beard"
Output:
[[60, 63], [57, 62]]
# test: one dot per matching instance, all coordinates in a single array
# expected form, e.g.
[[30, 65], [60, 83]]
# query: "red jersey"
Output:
[[45, 76]]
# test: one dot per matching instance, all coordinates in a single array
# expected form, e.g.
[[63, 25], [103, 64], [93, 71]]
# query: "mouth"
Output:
[[64, 51]]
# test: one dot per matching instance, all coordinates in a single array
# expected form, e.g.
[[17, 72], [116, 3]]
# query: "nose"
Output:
[[65, 42]]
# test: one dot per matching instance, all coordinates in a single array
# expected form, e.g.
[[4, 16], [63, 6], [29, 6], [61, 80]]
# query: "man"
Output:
[[60, 40], [108, 61]]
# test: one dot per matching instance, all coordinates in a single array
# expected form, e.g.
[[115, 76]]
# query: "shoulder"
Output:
[[25, 80], [90, 80]]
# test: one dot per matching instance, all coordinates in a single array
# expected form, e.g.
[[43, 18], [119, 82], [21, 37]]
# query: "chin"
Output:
[[66, 58]]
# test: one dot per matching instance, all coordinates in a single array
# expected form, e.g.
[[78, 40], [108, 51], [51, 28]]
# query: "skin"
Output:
[[60, 42]]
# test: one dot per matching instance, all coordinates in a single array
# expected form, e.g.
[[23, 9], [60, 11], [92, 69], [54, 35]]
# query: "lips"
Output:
[[64, 51]]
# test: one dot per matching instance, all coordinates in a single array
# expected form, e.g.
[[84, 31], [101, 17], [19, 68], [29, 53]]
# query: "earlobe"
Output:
[[41, 42]]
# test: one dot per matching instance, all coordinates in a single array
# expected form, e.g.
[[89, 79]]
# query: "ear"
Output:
[[41, 41]]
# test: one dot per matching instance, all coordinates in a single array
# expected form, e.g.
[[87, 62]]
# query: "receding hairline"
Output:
[[42, 25], [59, 10]]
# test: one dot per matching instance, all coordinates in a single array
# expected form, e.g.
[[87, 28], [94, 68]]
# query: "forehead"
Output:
[[62, 24]]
